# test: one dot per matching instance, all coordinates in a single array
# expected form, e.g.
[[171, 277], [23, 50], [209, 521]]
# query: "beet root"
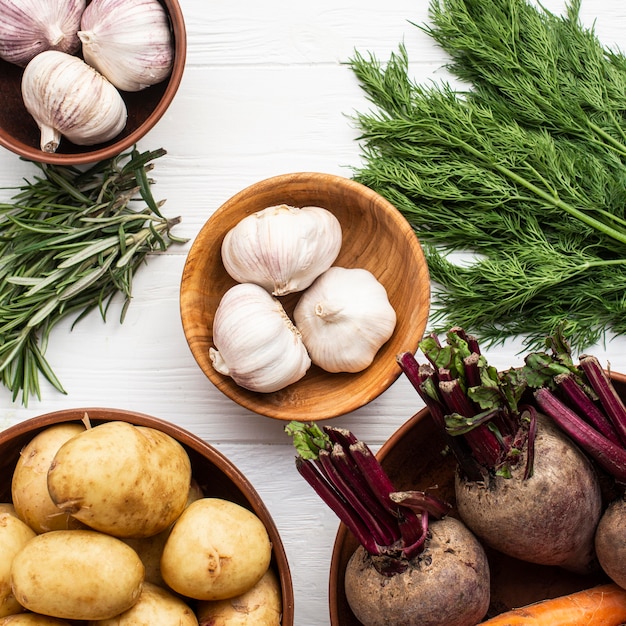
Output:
[[549, 518], [448, 583], [611, 542]]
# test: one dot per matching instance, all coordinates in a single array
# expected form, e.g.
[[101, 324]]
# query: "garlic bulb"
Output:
[[256, 344], [28, 27], [68, 97], [282, 248], [344, 317], [128, 41]]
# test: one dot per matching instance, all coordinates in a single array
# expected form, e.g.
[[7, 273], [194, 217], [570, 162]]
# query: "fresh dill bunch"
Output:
[[546, 70], [540, 212], [70, 240]]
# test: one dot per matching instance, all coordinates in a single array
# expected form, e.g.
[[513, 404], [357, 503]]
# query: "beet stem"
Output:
[[609, 398], [337, 503], [609, 456], [576, 397]]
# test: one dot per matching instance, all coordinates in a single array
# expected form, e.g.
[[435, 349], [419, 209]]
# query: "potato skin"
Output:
[[610, 542], [14, 535], [150, 548], [217, 549], [29, 486], [121, 479], [260, 606], [154, 607], [32, 619], [77, 574], [449, 583]]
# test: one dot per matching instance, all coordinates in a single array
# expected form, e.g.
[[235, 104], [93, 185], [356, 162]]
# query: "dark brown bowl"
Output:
[[376, 237], [20, 134], [214, 473], [413, 459]]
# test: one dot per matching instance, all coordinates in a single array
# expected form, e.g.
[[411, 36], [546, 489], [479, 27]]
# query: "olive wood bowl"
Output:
[[413, 459], [214, 473], [20, 134], [375, 237]]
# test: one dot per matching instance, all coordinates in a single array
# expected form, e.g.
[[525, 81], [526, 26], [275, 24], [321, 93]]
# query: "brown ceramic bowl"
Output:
[[413, 459], [214, 473], [375, 237], [20, 134]]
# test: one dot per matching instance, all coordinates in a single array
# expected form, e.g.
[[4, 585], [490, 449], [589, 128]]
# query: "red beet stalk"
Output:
[[609, 399], [350, 480], [607, 454]]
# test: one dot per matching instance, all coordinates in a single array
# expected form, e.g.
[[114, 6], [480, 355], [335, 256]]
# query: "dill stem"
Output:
[[556, 202]]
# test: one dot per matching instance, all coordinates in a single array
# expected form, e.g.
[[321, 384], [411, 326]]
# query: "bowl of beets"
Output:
[[505, 490]]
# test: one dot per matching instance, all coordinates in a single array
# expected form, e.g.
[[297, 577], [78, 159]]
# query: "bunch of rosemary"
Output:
[[524, 171], [69, 242]]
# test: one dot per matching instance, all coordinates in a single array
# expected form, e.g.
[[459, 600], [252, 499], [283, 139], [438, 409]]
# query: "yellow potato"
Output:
[[155, 607], [150, 548], [29, 487], [77, 574], [7, 507], [121, 479], [32, 619], [217, 549], [14, 535], [260, 606]]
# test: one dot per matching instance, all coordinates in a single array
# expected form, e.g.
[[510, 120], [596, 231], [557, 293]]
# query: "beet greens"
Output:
[[488, 416], [346, 474], [477, 408]]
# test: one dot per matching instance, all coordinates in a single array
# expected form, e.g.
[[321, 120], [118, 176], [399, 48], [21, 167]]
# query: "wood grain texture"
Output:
[[265, 92]]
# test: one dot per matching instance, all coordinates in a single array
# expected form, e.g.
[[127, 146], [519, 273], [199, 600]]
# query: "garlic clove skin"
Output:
[[128, 41], [345, 317], [28, 27], [282, 248], [69, 98], [256, 344]]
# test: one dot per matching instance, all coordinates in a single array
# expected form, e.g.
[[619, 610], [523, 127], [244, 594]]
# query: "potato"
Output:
[[155, 607], [7, 507], [29, 487], [14, 535], [121, 479], [217, 549], [32, 619], [77, 574], [260, 606], [150, 548]]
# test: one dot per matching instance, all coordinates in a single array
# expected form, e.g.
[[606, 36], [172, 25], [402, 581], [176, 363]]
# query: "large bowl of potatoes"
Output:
[[111, 517]]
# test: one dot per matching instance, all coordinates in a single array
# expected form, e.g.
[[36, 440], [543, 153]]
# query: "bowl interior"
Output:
[[413, 459], [215, 474], [375, 237], [20, 134]]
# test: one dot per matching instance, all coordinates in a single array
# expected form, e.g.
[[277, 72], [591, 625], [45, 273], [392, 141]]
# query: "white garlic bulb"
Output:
[[128, 41], [345, 317], [282, 248], [28, 27], [256, 344], [68, 97]]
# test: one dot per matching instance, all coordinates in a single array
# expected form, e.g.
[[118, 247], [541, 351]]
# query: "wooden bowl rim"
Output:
[[254, 401], [198, 445], [95, 153]]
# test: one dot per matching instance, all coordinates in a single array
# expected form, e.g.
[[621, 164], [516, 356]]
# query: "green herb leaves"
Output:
[[524, 172], [69, 241]]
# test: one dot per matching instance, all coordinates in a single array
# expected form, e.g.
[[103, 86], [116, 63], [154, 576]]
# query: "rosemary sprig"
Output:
[[525, 170], [70, 240]]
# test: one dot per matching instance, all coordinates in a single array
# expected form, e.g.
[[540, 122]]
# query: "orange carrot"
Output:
[[604, 605]]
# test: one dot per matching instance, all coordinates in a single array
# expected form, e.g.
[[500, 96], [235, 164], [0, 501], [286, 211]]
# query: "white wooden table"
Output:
[[265, 92]]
